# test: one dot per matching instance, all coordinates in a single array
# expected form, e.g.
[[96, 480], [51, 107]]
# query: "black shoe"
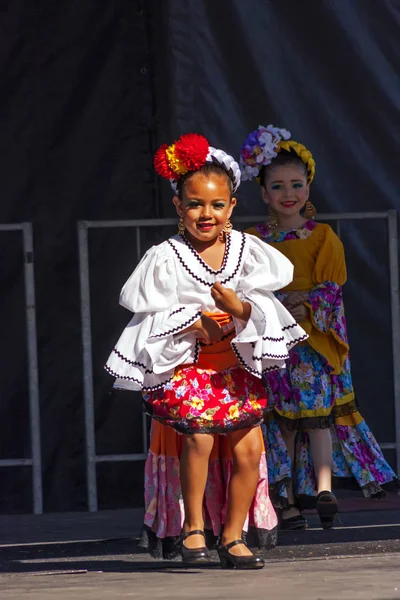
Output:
[[327, 508], [230, 561], [193, 555], [292, 523]]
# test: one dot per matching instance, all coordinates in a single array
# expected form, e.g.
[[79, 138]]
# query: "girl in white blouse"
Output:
[[206, 327]]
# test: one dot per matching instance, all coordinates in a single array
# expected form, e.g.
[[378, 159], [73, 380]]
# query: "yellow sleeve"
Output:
[[330, 264], [253, 231]]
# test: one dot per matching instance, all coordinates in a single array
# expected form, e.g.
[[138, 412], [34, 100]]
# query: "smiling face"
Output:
[[286, 189], [205, 205]]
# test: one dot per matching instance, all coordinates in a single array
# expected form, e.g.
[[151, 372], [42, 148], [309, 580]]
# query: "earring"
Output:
[[272, 218], [228, 227], [311, 211], [181, 226]]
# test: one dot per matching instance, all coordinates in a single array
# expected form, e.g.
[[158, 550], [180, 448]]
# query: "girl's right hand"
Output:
[[207, 330]]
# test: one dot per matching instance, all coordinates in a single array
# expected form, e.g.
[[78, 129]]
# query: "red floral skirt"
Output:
[[204, 401]]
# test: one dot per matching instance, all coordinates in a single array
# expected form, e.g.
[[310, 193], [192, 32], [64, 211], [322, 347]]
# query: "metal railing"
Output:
[[83, 227], [33, 375]]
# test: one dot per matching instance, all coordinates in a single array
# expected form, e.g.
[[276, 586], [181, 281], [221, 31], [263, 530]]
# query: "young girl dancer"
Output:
[[314, 397], [206, 327]]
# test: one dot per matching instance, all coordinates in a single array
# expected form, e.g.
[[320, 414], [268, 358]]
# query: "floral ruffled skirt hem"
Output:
[[164, 511], [357, 462], [190, 427]]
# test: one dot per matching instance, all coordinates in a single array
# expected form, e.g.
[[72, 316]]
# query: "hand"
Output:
[[299, 312], [294, 299], [226, 300]]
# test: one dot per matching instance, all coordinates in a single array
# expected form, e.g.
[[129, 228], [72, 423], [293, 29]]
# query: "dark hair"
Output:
[[214, 168], [283, 159]]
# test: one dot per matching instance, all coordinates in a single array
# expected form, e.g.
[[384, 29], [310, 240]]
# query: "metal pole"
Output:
[[395, 306], [34, 401], [87, 366], [144, 418]]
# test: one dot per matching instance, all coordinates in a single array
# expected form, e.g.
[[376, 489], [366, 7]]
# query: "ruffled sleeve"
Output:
[[152, 345], [329, 334], [262, 344]]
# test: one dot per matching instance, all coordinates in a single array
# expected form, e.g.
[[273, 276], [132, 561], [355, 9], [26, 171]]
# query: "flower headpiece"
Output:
[[264, 144], [190, 153]]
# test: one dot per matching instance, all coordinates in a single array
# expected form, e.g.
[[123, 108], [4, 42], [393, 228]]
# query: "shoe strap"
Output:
[[194, 532], [234, 543]]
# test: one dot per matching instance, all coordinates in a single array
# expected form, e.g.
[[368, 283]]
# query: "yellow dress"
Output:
[[319, 269], [315, 389]]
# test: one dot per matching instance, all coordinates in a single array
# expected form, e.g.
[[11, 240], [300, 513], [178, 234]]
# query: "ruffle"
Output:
[[263, 343], [149, 349], [164, 511]]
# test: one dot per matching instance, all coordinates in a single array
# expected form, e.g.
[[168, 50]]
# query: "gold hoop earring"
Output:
[[311, 211], [272, 218], [227, 228], [181, 226]]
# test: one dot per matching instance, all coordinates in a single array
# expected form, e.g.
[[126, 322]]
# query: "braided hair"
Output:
[[291, 153]]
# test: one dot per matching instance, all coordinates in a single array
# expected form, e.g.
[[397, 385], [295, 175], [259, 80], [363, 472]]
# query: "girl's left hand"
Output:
[[226, 300]]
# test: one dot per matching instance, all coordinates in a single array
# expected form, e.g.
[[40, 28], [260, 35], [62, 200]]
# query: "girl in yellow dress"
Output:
[[320, 430]]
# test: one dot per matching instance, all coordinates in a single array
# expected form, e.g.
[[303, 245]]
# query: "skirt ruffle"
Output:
[[205, 401], [164, 512], [357, 462]]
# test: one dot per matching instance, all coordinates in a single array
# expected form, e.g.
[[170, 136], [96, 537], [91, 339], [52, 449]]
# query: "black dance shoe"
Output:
[[230, 561], [193, 555], [292, 523], [327, 508]]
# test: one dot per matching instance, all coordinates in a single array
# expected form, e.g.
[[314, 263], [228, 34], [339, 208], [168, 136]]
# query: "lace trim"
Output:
[[306, 423], [267, 338], [280, 356], [239, 262], [287, 327], [318, 422], [268, 355], [346, 409], [184, 265], [178, 328], [190, 426], [211, 271], [178, 310], [290, 345], [125, 377], [151, 388], [202, 262], [167, 548], [196, 351], [134, 363], [248, 367]]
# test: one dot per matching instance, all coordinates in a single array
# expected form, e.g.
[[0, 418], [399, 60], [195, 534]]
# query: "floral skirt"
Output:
[[164, 513], [306, 396], [205, 401]]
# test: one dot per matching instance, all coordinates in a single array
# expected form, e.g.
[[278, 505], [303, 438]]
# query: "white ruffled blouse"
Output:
[[169, 290]]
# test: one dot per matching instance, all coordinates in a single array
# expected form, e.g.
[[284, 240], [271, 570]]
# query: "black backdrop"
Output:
[[88, 91]]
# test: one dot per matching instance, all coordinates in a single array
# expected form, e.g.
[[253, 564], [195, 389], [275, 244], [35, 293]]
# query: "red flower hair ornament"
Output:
[[188, 154]]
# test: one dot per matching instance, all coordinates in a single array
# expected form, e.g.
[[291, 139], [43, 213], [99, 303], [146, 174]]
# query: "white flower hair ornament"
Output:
[[259, 148]]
